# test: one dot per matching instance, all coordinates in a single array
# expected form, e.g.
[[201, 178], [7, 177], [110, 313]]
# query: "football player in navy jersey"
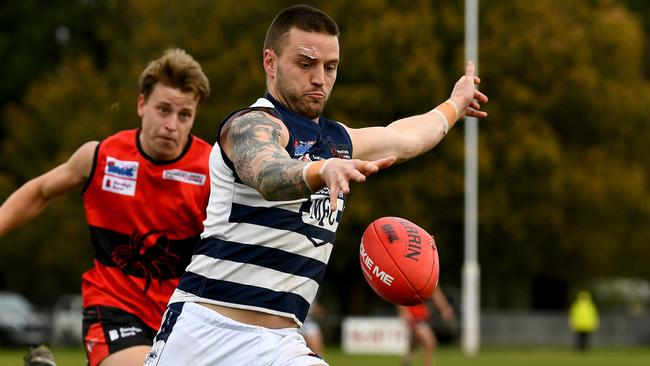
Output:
[[281, 174]]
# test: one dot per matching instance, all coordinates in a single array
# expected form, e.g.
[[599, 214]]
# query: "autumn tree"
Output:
[[563, 170]]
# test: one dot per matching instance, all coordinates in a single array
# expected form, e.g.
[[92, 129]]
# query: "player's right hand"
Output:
[[338, 173]]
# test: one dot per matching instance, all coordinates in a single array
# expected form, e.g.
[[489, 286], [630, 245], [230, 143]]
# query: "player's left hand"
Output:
[[466, 96]]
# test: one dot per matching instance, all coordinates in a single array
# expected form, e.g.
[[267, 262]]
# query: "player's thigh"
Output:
[[132, 356]]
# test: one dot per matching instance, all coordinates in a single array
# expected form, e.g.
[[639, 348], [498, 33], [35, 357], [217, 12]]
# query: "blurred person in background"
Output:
[[417, 318], [144, 192], [310, 329], [583, 320]]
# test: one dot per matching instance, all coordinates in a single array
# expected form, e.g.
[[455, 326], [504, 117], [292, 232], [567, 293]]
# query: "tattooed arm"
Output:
[[255, 143]]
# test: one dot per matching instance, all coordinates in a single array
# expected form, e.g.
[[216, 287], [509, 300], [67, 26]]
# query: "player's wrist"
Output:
[[312, 174], [448, 112], [456, 104]]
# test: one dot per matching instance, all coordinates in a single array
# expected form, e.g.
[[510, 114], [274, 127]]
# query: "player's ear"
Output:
[[141, 103], [270, 62]]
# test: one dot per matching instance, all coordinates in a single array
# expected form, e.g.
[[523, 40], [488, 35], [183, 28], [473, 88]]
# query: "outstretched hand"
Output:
[[466, 96], [338, 173]]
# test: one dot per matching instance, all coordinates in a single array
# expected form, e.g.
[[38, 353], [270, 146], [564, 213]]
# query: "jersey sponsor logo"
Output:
[[184, 176], [317, 211], [300, 148], [117, 185], [320, 211], [339, 151], [121, 168], [115, 334]]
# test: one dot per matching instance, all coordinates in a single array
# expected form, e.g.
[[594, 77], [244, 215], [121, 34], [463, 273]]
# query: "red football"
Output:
[[399, 260]]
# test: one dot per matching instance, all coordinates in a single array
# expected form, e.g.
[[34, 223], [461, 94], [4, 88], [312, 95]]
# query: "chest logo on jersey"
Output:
[[300, 148], [317, 211], [184, 176], [339, 151], [120, 176], [119, 185], [121, 168]]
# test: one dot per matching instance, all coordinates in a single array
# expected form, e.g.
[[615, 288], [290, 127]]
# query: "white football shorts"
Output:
[[309, 327], [194, 335]]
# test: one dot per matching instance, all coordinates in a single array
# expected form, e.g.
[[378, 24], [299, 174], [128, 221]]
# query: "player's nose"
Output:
[[318, 76]]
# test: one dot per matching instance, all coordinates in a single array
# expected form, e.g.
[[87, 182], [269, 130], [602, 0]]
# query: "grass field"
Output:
[[446, 357]]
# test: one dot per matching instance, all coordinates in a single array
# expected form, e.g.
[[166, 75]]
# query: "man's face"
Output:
[[303, 75], [167, 118]]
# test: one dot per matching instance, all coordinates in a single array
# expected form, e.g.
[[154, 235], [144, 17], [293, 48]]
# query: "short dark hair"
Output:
[[303, 17]]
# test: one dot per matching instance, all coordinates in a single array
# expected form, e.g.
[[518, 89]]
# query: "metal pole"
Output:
[[471, 269]]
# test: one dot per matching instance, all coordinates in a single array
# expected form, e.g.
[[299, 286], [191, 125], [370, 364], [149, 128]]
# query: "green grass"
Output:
[[63, 356], [446, 357], [509, 357]]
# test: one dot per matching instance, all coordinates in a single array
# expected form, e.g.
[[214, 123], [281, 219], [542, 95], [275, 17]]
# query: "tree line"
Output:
[[563, 167]]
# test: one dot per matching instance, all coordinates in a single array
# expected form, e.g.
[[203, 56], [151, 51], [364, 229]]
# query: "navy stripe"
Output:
[[171, 315], [281, 219], [235, 293], [273, 258]]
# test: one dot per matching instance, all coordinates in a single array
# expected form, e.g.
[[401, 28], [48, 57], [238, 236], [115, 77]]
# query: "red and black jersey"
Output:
[[145, 218]]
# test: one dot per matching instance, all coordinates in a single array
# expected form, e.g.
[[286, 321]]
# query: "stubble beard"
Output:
[[297, 102]]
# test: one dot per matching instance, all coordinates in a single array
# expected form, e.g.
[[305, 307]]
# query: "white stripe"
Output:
[[182, 296], [245, 195], [279, 239], [263, 102], [253, 275], [221, 187]]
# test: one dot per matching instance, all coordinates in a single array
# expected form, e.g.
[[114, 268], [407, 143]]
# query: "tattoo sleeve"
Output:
[[261, 161]]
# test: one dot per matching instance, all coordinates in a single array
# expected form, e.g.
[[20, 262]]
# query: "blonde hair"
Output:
[[177, 69]]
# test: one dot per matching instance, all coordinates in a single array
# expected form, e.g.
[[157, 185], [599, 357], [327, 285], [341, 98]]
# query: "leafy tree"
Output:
[[563, 167], [568, 120]]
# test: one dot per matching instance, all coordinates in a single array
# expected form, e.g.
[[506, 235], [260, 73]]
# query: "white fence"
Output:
[[388, 335]]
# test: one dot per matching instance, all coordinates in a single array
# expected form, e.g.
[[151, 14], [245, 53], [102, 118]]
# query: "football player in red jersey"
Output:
[[156, 177], [417, 321]]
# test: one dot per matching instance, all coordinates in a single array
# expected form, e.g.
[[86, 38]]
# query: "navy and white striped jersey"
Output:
[[267, 256]]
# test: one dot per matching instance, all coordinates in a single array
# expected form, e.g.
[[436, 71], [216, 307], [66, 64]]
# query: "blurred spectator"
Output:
[[420, 331], [583, 320], [310, 329]]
